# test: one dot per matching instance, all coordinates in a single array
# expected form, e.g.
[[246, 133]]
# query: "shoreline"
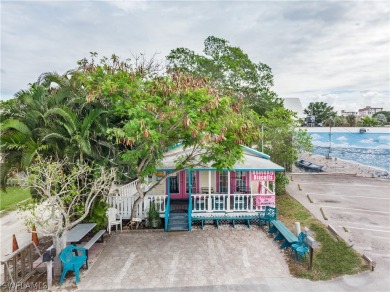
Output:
[[335, 165]]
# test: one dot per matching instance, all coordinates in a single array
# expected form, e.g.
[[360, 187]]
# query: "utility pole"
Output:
[[330, 138], [262, 137]]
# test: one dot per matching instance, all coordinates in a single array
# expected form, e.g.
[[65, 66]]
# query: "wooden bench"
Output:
[[95, 238], [228, 216], [283, 233]]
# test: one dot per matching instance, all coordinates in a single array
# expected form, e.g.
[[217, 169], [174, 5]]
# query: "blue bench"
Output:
[[247, 217], [282, 233], [95, 238]]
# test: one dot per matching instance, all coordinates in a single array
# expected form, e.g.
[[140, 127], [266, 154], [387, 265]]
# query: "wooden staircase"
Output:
[[178, 216], [178, 222]]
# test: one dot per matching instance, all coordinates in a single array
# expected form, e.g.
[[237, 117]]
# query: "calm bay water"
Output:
[[371, 148]]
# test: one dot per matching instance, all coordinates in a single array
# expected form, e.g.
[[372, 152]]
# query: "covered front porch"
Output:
[[243, 191]]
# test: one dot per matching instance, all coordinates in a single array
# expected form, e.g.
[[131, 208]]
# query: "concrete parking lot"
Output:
[[247, 260], [244, 260], [357, 207]]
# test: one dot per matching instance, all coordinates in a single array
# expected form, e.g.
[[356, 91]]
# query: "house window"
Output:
[[174, 185], [240, 181], [223, 182], [193, 177]]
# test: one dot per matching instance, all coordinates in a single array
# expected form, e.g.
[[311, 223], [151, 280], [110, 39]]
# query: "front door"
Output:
[[179, 186], [174, 186]]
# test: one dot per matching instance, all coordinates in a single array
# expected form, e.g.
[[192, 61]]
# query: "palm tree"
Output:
[[20, 134], [72, 134]]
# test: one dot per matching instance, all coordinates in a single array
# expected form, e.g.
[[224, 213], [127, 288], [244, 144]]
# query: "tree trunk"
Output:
[[135, 206], [59, 244]]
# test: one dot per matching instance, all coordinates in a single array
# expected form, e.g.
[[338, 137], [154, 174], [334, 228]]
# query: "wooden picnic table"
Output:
[[79, 231]]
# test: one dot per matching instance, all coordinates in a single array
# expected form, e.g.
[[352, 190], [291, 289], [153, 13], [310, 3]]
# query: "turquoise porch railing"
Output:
[[168, 205], [190, 202]]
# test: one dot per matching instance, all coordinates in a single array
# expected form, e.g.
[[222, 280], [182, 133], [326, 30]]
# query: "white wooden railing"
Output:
[[124, 204], [129, 189], [231, 202]]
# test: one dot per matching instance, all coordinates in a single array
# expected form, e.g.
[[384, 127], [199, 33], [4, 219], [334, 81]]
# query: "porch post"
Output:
[[190, 201], [251, 198], [209, 200], [168, 206], [228, 193]]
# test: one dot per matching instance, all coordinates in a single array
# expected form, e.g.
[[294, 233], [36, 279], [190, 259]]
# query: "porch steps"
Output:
[[178, 222]]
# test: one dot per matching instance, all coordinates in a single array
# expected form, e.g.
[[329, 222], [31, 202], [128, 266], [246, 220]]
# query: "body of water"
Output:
[[371, 148]]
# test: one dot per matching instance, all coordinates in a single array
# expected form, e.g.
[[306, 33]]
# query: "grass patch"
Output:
[[12, 197], [334, 258]]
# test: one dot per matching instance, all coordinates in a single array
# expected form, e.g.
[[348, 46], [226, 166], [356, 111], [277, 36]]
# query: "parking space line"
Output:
[[379, 198], [340, 184], [363, 210], [363, 225], [123, 271], [368, 229]]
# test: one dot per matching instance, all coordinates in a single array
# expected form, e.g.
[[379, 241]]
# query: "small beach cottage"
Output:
[[203, 193]]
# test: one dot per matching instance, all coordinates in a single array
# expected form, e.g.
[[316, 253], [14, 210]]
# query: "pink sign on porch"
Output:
[[263, 176], [265, 200]]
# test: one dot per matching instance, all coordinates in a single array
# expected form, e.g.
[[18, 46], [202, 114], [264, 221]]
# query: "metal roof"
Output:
[[252, 160]]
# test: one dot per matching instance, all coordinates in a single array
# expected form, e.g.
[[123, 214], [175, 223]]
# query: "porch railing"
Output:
[[124, 204], [231, 202], [130, 189]]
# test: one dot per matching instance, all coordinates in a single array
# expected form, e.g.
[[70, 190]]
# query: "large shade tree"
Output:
[[161, 111], [231, 70]]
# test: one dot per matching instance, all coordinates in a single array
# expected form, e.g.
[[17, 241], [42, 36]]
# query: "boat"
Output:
[[309, 166]]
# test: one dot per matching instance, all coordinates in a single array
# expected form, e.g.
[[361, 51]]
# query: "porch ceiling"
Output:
[[249, 162]]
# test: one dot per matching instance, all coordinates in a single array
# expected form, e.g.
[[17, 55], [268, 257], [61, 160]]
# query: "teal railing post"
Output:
[[190, 201], [168, 206]]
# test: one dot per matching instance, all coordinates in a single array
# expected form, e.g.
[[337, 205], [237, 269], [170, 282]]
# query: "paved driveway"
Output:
[[188, 259]]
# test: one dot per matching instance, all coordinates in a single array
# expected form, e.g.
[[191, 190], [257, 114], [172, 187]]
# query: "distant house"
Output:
[[294, 104], [346, 114], [243, 191], [369, 111]]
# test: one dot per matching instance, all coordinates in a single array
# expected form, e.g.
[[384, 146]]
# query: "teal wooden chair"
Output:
[[301, 240], [300, 248], [73, 261], [301, 251], [270, 214]]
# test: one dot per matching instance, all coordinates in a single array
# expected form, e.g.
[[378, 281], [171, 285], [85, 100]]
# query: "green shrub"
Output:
[[98, 215]]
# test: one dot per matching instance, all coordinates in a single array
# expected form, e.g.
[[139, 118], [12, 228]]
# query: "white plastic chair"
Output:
[[114, 218]]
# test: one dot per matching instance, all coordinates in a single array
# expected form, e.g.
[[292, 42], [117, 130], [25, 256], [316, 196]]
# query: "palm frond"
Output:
[[88, 121], [67, 114], [17, 125]]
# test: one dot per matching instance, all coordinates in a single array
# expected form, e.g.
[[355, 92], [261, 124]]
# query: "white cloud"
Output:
[[337, 52], [129, 6]]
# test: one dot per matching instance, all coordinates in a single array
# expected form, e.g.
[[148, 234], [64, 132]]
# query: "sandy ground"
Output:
[[335, 165]]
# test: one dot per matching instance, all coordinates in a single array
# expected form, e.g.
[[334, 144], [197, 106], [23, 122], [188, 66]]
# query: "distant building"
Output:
[[294, 104], [369, 111], [345, 113]]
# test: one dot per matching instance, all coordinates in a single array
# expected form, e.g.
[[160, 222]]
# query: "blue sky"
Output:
[[337, 52]]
